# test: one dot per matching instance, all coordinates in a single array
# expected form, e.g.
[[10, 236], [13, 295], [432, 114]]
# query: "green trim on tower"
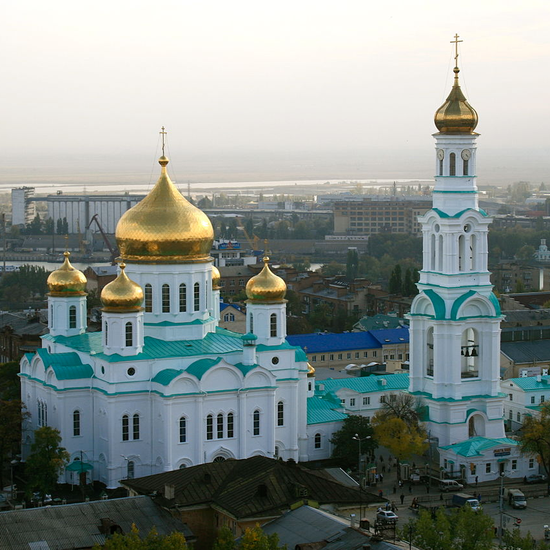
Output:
[[459, 301], [437, 302], [496, 303]]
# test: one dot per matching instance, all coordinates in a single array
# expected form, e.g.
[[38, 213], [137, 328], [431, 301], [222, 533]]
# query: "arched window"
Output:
[[432, 253], [280, 414], [251, 329], [209, 427], [317, 440], [229, 317], [45, 414], [273, 325], [183, 429], [473, 252], [256, 422], [148, 298], [131, 469], [76, 423], [220, 426], [183, 298], [440, 254], [465, 167], [106, 333], [197, 297], [125, 428], [461, 252], [230, 425], [129, 334], [430, 352], [441, 167], [72, 317], [51, 316], [165, 298], [469, 351], [452, 164], [135, 425]]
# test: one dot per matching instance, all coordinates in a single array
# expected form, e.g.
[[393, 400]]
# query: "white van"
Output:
[[447, 485]]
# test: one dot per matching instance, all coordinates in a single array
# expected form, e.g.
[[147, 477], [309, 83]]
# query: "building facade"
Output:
[[162, 386]]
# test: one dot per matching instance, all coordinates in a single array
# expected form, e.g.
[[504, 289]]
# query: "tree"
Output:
[[396, 283], [49, 227], [534, 437], [520, 287], [513, 540], [252, 539], [153, 541], [12, 415], [409, 286], [10, 388], [46, 460], [462, 529], [35, 227], [396, 426], [346, 448]]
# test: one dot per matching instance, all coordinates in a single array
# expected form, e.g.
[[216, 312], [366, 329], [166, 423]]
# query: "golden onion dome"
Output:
[[164, 227], [67, 280], [266, 287], [456, 115], [122, 294], [216, 277], [310, 371]]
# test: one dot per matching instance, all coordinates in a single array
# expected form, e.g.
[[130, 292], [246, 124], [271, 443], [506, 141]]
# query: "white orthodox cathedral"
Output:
[[162, 386]]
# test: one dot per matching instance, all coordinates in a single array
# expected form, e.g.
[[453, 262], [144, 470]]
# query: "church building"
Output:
[[162, 386], [455, 318]]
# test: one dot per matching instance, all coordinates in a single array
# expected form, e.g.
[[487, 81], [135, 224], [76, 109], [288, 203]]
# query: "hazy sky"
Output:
[[246, 78]]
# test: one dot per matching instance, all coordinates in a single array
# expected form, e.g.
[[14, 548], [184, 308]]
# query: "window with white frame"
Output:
[[165, 298], [209, 427], [230, 425], [366, 400], [135, 426], [256, 422], [488, 468], [76, 423], [125, 428], [514, 464], [317, 440], [280, 414], [183, 429], [352, 402]]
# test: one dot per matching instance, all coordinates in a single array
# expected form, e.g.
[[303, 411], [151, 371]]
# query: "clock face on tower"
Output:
[[466, 154], [440, 154]]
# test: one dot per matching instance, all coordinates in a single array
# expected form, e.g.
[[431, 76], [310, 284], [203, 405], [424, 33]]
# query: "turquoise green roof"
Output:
[[367, 384], [245, 369], [442, 214], [154, 348], [200, 367], [427, 395], [29, 356], [477, 445], [300, 355], [321, 410], [530, 383], [164, 377], [66, 366]]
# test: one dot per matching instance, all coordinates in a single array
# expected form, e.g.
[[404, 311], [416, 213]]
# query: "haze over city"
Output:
[[254, 91]]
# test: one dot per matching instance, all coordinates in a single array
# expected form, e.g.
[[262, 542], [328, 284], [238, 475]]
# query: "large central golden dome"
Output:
[[456, 115], [164, 227]]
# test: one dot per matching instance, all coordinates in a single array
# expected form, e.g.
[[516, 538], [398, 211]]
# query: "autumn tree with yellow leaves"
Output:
[[534, 436], [397, 426]]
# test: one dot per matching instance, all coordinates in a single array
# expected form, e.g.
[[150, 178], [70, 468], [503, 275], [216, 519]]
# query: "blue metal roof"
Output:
[[328, 341], [391, 335]]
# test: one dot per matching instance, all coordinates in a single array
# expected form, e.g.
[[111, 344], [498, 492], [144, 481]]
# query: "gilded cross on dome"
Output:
[[163, 134], [455, 42]]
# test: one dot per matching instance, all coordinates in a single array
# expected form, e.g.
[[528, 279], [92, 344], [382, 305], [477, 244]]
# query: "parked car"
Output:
[[535, 478], [387, 516], [447, 485]]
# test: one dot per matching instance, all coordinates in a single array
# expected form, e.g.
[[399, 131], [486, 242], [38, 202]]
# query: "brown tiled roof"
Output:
[[256, 486]]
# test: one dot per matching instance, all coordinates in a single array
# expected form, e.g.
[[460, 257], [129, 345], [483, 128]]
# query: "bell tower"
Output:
[[455, 319]]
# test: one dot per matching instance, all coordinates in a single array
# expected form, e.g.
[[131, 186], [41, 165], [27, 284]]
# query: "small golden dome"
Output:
[[266, 287], [67, 281], [122, 294], [164, 227], [216, 277], [310, 371], [456, 115]]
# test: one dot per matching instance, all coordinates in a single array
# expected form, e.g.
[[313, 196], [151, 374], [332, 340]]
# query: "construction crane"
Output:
[[252, 243], [113, 251]]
